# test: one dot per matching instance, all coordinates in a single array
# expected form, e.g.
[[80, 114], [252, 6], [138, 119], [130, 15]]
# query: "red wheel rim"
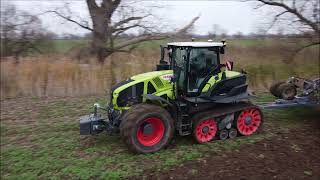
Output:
[[206, 130], [150, 132], [249, 121]]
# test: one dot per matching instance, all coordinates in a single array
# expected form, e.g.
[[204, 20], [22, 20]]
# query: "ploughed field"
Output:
[[40, 139]]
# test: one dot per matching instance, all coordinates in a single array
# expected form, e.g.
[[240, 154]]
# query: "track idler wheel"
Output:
[[223, 134], [249, 121], [205, 130]]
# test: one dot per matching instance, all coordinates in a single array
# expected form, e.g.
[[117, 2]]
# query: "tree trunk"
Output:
[[100, 23], [98, 47]]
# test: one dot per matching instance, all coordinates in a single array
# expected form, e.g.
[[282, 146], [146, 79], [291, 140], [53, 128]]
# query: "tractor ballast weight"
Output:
[[190, 93]]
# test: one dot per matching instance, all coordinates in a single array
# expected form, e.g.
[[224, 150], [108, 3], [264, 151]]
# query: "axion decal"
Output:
[[167, 77]]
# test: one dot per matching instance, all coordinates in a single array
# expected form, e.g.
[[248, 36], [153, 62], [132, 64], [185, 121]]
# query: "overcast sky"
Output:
[[232, 16]]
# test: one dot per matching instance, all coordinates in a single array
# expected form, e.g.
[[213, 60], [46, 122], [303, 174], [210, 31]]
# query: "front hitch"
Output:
[[93, 123]]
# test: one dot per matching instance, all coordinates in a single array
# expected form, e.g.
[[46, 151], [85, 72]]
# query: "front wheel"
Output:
[[146, 128]]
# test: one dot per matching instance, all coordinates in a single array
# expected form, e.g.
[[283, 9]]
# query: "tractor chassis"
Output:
[[225, 114], [96, 123]]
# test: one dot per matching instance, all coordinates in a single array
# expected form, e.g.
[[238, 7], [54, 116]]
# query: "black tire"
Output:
[[287, 91], [135, 118], [274, 88]]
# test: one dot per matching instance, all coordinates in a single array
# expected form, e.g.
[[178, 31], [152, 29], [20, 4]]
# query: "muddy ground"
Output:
[[292, 154], [40, 140]]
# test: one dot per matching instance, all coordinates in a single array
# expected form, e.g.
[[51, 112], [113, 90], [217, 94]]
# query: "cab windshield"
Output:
[[192, 65]]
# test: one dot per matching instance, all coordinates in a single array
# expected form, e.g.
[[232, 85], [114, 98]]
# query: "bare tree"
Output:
[[302, 15], [21, 33], [106, 28]]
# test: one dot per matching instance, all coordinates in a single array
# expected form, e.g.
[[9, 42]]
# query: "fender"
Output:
[[152, 97]]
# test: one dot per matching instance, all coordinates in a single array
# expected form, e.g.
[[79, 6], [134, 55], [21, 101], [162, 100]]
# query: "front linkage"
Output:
[[95, 123]]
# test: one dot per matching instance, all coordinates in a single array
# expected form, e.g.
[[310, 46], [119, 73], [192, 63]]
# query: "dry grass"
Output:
[[61, 76]]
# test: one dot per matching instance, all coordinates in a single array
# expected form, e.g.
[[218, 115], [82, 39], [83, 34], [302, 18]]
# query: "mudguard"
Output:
[[152, 97]]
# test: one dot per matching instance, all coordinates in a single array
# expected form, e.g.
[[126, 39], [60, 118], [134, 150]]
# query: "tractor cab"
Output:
[[197, 72], [193, 63]]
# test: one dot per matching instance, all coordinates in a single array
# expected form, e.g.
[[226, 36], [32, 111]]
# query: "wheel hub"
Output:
[[151, 131], [205, 130], [147, 129], [248, 120]]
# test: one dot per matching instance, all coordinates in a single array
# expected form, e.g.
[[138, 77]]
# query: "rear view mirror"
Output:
[[221, 49]]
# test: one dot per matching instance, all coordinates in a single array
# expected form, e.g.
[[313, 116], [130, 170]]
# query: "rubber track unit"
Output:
[[130, 124], [225, 109]]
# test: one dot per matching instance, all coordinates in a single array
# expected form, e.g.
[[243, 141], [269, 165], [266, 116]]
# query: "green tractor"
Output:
[[190, 93]]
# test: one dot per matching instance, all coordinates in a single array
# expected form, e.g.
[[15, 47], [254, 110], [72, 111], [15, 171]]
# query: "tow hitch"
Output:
[[93, 123]]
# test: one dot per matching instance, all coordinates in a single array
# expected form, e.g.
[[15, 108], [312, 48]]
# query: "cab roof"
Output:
[[197, 44]]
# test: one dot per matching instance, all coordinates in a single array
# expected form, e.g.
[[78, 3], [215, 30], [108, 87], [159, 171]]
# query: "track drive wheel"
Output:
[[146, 128], [249, 121], [287, 91], [205, 130], [274, 88]]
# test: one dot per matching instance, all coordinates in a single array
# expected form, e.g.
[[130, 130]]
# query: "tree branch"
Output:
[[293, 11], [306, 46], [275, 19], [140, 39], [70, 20], [127, 20], [188, 26], [155, 36]]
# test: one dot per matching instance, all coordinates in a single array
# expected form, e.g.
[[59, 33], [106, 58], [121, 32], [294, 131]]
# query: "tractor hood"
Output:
[[151, 75], [132, 89], [141, 78]]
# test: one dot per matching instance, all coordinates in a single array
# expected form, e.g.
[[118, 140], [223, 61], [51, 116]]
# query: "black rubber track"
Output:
[[130, 123], [224, 109]]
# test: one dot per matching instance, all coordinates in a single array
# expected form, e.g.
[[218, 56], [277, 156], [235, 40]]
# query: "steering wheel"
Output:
[[211, 70]]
